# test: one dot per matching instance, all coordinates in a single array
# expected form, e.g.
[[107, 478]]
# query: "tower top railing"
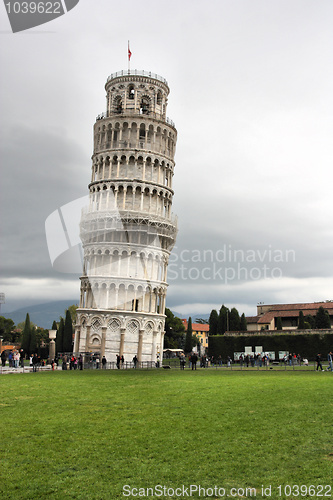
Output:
[[135, 72]]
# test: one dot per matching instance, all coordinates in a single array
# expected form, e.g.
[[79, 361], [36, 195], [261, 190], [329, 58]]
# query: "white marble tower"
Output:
[[128, 230]]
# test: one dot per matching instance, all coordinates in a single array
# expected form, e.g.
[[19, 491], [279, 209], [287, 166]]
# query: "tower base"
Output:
[[110, 333]]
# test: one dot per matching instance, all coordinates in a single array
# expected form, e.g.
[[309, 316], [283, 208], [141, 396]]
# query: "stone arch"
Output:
[[114, 325], [113, 297], [114, 165], [125, 134], [134, 132], [150, 134], [145, 104], [96, 325], [131, 167], [133, 327], [121, 296], [131, 91], [118, 105], [142, 132]]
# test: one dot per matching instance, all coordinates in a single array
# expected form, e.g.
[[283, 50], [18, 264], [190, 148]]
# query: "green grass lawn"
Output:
[[87, 434]]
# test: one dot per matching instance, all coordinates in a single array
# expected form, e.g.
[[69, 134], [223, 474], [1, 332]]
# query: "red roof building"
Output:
[[267, 315]]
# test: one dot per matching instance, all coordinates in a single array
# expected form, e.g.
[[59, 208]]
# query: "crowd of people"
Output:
[[16, 359], [253, 360]]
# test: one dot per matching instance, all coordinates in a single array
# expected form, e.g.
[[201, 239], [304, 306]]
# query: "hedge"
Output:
[[308, 345]]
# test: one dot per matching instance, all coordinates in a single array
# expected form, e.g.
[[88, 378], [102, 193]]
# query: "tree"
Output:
[[310, 320], [223, 324], [301, 322], [54, 325], [174, 331], [213, 322], [25, 344], [278, 323], [68, 333], [188, 338], [322, 318], [6, 329], [33, 343], [234, 320], [243, 323], [72, 309], [60, 336]]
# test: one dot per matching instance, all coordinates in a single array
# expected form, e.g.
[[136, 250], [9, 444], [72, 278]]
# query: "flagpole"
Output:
[[129, 57]]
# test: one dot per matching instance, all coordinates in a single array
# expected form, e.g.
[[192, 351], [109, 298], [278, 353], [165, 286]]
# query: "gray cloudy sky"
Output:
[[251, 95]]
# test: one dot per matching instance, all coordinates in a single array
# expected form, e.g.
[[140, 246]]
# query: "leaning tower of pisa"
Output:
[[128, 230]]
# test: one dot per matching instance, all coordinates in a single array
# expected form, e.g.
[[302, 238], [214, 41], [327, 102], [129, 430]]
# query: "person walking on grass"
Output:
[[194, 359], [34, 363], [330, 361], [318, 360]]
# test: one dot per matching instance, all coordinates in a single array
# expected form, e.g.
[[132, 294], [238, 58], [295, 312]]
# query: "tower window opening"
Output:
[[159, 97], [131, 92], [135, 305], [142, 133], [118, 105], [144, 109]]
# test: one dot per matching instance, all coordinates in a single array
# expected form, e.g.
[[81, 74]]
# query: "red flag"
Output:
[[129, 53]]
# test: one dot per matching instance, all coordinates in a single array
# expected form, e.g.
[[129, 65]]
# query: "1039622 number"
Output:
[[33, 8], [304, 490]]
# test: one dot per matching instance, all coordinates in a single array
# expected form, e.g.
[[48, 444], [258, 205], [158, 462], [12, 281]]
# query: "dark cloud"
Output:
[[251, 99], [42, 172]]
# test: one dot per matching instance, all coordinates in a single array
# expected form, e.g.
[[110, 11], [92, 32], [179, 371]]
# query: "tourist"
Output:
[[318, 360], [97, 363], [330, 361], [194, 359], [118, 361], [135, 360], [22, 358], [16, 359], [3, 358], [104, 362], [34, 363]]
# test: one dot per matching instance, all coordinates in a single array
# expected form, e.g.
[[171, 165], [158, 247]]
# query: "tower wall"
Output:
[[128, 229]]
